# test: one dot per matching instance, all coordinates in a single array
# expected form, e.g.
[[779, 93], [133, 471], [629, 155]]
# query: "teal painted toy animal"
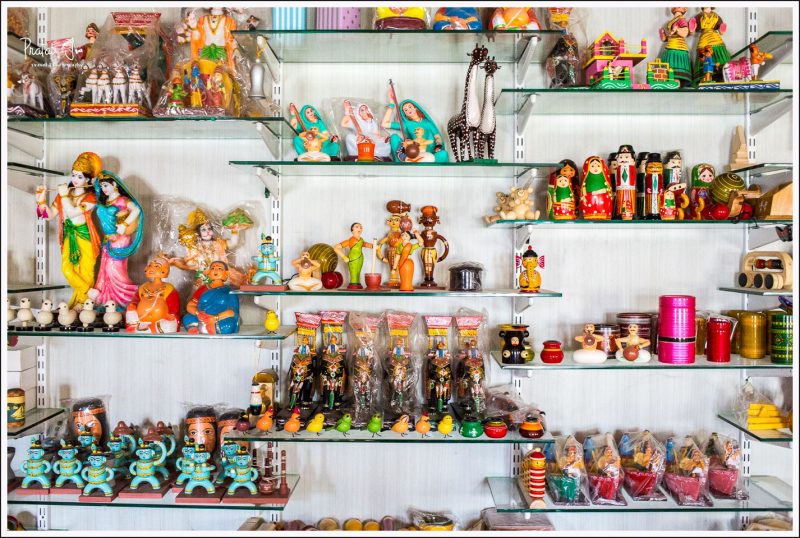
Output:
[[168, 437], [36, 468], [68, 467], [97, 474], [150, 455], [201, 472], [117, 446], [266, 262], [229, 451], [242, 472], [185, 464]]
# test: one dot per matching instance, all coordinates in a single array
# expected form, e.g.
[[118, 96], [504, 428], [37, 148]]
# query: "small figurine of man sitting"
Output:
[[213, 309]]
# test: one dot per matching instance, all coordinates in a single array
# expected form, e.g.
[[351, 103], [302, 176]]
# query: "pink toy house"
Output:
[[610, 65]]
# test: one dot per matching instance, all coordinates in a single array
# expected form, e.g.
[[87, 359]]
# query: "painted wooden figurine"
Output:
[[625, 207], [563, 198], [97, 474], [439, 373], [121, 452], [201, 426], [610, 64], [430, 256], [711, 49], [699, 195], [36, 468], [536, 478], [488, 126], [514, 18], [631, 348], [589, 354], [213, 308], [313, 141], [201, 471], [301, 369], [150, 454], [463, 127], [355, 255], [457, 18], [470, 369], [404, 262], [400, 18], [676, 50], [398, 222], [530, 280], [68, 466], [596, 202], [333, 368], [185, 464], [419, 139], [227, 459], [267, 263], [242, 473], [305, 279], [653, 187], [678, 203], [156, 306]]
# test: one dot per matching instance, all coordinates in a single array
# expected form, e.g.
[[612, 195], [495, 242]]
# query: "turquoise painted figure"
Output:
[[213, 309], [242, 472], [85, 437], [417, 127], [68, 466], [313, 137], [266, 262], [117, 446], [227, 459], [150, 455], [170, 442], [36, 468], [201, 471], [185, 463], [97, 474]]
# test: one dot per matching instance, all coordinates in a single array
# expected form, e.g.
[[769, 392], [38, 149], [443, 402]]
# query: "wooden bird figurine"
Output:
[[423, 425], [87, 315], [24, 312], [111, 318], [293, 424], [66, 315], [401, 426], [271, 322], [445, 425], [44, 317], [264, 423], [315, 424]]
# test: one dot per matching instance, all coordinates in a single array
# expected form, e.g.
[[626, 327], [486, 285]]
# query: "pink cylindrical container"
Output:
[[338, 18], [676, 329]]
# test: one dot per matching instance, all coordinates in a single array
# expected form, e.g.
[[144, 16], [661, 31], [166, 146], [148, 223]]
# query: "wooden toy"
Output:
[[769, 270], [775, 204], [660, 76], [429, 237], [676, 50], [610, 64], [596, 193], [631, 347], [514, 18], [589, 354], [463, 127], [711, 50]]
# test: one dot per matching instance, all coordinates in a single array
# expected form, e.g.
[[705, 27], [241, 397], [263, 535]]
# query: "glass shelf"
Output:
[[27, 48], [585, 101], [764, 169], [757, 291], [395, 169], [363, 436], [700, 363], [343, 292], [765, 436], [34, 418], [767, 494], [32, 288], [636, 224], [149, 128], [395, 46], [768, 43], [167, 501], [34, 171], [246, 332]]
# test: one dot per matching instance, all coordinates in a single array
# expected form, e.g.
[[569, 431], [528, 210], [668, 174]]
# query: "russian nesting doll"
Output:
[[596, 201]]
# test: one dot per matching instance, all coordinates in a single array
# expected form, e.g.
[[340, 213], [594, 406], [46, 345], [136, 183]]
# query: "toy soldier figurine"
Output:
[[430, 256], [625, 207]]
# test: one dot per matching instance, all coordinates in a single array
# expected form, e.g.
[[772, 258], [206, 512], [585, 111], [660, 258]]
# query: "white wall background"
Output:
[[599, 272]]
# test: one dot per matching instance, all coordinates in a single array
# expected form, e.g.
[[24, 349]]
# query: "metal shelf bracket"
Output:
[[524, 62]]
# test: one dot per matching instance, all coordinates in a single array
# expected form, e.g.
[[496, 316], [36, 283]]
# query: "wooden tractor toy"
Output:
[[766, 270]]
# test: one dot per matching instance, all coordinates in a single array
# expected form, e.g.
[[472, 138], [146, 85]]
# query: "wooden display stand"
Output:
[[146, 491], [739, 157], [67, 489], [200, 496], [121, 110], [97, 495], [775, 204], [243, 496], [35, 489]]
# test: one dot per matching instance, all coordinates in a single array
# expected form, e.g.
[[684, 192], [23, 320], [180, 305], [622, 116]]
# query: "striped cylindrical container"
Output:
[[781, 338], [338, 18], [676, 329], [288, 18]]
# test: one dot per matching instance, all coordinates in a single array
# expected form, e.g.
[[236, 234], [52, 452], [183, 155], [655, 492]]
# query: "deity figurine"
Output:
[[301, 372], [457, 18], [185, 464], [398, 221], [89, 420], [711, 28], [68, 466], [333, 369], [625, 206], [201, 471], [596, 203], [404, 263], [429, 254], [514, 18], [530, 281], [364, 129], [305, 281], [398, 375], [203, 246], [439, 373], [156, 306], [471, 374], [676, 51], [121, 453], [267, 263], [410, 118], [313, 141], [355, 256], [77, 235], [213, 309], [589, 354], [227, 459], [699, 195], [97, 474], [631, 348], [653, 187], [211, 36], [36, 468], [149, 456], [563, 60], [242, 473]]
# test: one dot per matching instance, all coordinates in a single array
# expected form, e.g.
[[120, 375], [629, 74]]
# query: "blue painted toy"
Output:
[[36, 468], [168, 436], [68, 467], [227, 459], [120, 453], [150, 455], [457, 18], [185, 464], [242, 472], [266, 262], [201, 473], [213, 308], [85, 437], [97, 474]]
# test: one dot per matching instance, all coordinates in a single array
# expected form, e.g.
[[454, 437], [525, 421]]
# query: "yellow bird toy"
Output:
[[271, 322], [401, 426], [315, 424], [445, 425]]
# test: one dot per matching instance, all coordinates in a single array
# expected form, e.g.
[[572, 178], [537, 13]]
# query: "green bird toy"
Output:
[[375, 424], [343, 424]]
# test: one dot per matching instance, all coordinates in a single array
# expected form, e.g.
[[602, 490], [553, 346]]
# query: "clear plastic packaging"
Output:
[[426, 520], [643, 460], [725, 479], [470, 366], [314, 140], [438, 374], [357, 123], [502, 402], [63, 77], [400, 18], [756, 411], [27, 94], [401, 364], [566, 475], [365, 374], [686, 475], [333, 365], [88, 420], [200, 424], [563, 61], [121, 76], [604, 467]]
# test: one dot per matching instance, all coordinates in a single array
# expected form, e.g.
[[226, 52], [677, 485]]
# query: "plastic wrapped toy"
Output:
[[419, 139], [604, 467], [358, 126], [457, 18], [300, 378], [365, 375], [725, 479], [63, 77], [314, 142], [432, 521], [643, 459], [26, 93], [563, 61], [514, 18], [686, 474], [438, 379], [332, 367], [566, 475], [400, 18], [401, 365], [470, 368]]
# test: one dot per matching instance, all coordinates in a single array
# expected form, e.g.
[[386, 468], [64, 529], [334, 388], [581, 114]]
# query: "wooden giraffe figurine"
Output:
[[488, 125], [463, 127]]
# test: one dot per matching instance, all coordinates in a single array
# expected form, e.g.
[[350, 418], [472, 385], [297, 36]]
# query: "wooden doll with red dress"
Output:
[[596, 200]]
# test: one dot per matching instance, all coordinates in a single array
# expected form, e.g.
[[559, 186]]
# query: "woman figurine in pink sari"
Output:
[[122, 223]]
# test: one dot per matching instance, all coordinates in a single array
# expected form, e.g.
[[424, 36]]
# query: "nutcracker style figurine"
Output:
[[398, 222], [653, 187], [674, 183], [625, 207], [430, 256], [596, 192]]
